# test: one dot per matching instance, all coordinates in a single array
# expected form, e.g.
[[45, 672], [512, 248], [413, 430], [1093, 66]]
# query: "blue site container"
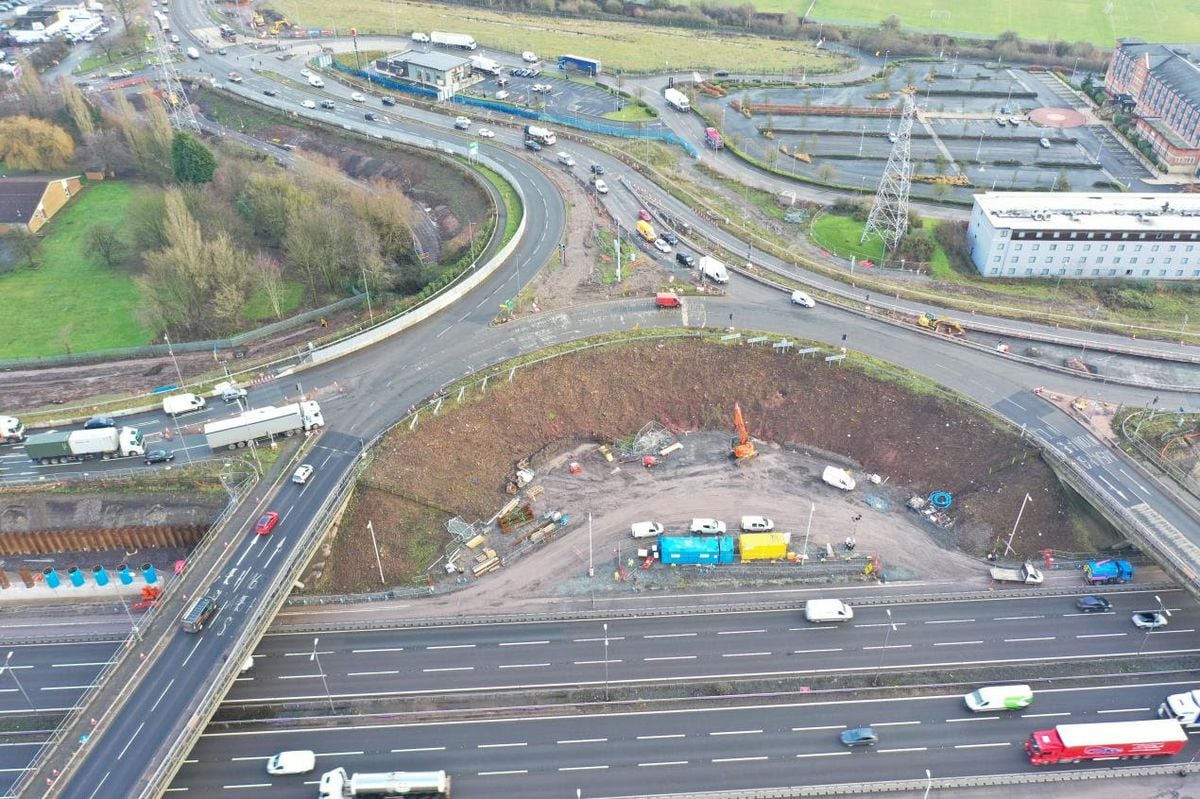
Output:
[[696, 549]]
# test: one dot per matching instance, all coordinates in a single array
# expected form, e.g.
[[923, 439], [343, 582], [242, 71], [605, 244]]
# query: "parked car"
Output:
[[266, 522], [530, 144], [802, 299], [646, 529], [234, 77], [97, 422], [502, 94], [174, 39], [462, 123], [159, 456], [487, 133], [1045, 143], [661, 245], [1093, 604], [301, 475], [1149, 620], [859, 736], [308, 104], [220, 50]]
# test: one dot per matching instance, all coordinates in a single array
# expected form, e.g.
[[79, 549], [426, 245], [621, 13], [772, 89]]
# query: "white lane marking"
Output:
[[370, 673], [665, 635], [420, 749], [502, 773], [889, 646], [1016, 618], [195, 646], [738, 759], [582, 741], [951, 621], [982, 746], [245, 785], [1021, 640], [63, 687], [737, 732], [256, 757], [524, 643], [903, 749], [299, 676], [746, 654], [1126, 710], [825, 727], [452, 646], [526, 666], [824, 754], [163, 694], [895, 723], [100, 785], [739, 632], [581, 768], [974, 718], [384, 649], [814, 651], [661, 737], [1043, 715], [610, 639], [595, 662], [452, 668], [668, 657], [957, 643], [129, 743], [663, 763], [66, 665], [501, 746], [1135, 482], [1103, 635]]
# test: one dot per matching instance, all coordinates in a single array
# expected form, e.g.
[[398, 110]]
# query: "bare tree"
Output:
[[268, 276], [77, 107], [106, 244], [30, 89]]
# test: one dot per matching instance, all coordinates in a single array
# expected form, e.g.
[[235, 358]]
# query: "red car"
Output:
[[644, 215], [266, 522]]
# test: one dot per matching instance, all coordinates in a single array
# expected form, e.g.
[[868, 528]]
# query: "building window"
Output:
[[1095, 273], [1103, 248], [1162, 272], [1149, 260], [1178, 273], [1039, 235], [1045, 271], [1120, 248], [1012, 271], [1079, 272], [1112, 272], [1091, 235], [1145, 273], [1070, 247], [1117, 260], [1028, 272], [1100, 259], [1032, 259], [1154, 248], [1166, 260], [1036, 247], [1053, 247], [996, 259], [1017, 247]]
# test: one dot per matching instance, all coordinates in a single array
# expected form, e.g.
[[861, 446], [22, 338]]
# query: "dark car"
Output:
[[159, 456], [671, 238], [370, 116], [1093, 604], [597, 169], [685, 259], [514, 71], [97, 422], [859, 736], [721, 73], [388, 100], [270, 92], [327, 104], [530, 144]]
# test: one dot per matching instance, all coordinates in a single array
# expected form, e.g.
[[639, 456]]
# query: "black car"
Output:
[[685, 259], [597, 169], [97, 422], [671, 238], [530, 144], [515, 71], [159, 456], [388, 100], [1093, 604], [270, 92], [721, 73], [370, 116]]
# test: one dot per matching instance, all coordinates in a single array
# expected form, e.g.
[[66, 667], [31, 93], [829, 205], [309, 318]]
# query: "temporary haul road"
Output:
[[382, 381]]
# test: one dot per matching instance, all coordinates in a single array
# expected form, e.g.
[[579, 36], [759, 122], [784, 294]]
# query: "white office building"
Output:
[[1086, 236]]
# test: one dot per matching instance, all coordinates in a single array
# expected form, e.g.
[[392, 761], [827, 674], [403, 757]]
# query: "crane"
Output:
[[743, 447]]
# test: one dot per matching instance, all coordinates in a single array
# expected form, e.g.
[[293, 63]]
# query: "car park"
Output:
[[266, 523], [97, 422], [302, 473], [1093, 604], [661, 245], [370, 116], [859, 736], [802, 299], [386, 100], [358, 97], [308, 104], [600, 186], [159, 456], [1149, 620], [646, 529], [685, 259], [487, 133], [530, 144]]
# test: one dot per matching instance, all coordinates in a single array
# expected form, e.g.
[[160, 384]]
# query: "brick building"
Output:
[[29, 202], [1161, 84]]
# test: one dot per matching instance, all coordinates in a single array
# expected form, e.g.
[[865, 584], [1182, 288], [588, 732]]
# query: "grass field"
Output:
[[72, 302], [1063, 20], [630, 47]]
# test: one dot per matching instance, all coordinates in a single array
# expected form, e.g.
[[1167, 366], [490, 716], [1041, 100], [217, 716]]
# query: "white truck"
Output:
[[543, 136], [677, 100], [713, 269], [1028, 573], [488, 66], [260, 423], [452, 40], [81, 445], [182, 403], [838, 478], [11, 430], [819, 610], [1184, 708], [337, 784]]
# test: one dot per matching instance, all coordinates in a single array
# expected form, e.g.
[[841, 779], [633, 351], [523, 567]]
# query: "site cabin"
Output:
[[667, 299]]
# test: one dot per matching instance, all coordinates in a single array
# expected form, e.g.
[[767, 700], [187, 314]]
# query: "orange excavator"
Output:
[[743, 447]]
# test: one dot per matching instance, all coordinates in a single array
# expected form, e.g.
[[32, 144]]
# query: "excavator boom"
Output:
[[743, 447]]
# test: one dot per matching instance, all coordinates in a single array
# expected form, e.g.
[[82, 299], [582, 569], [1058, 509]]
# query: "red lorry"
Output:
[[1116, 740]]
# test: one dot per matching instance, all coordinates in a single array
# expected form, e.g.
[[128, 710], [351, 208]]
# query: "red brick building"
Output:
[[1161, 84]]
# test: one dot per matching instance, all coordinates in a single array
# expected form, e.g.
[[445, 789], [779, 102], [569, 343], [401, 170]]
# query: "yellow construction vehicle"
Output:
[[941, 324]]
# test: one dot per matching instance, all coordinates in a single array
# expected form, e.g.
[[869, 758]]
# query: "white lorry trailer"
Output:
[[818, 610], [182, 403], [262, 423], [677, 100], [713, 269], [81, 445], [488, 66], [337, 784], [1028, 573], [452, 40]]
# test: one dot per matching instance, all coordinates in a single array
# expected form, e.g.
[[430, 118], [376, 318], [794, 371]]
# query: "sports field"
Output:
[[1101, 22]]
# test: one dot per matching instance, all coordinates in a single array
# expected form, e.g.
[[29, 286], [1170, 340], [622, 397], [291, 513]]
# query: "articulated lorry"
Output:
[[452, 40], [337, 784], [486, 65], [1184, 708], [68, 446], [1028, 573], [677, 100], [12, 430], [1107, 572], [1114, 740], [262, 423]]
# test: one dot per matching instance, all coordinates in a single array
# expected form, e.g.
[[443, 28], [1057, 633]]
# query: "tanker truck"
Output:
[[337, 784], [263, 423], [80, 445]]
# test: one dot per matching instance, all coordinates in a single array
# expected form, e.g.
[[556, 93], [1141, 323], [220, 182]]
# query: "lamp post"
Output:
[[12, 671], [861, 139], [928, 784], [886, 634], [1008, 546], [175, 419], [812, 507], [325, 682], [1145, 637], [979, 149]]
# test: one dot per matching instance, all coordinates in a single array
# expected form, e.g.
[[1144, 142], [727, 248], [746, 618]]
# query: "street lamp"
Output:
[[861, 139], [928, 784], [20, 687], [1008, 546], [886, 634], [1145, 637], [171, 351], [317, 658]]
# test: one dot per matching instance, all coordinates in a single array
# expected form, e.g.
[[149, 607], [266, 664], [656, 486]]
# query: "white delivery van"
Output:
[[838, 478], [420, 37], [999, 697], [713, 270], [819, 610], [707, 527], [299, 761], [757, 524], [193, 53], [646, 529], [566, 159], [316, 82], [182, 403]]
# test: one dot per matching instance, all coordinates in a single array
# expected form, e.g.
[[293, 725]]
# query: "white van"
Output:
[[707, 527], [299, 761], [316, 82], [757, 524], [566, 159], [420, 37], [529, 58], [646, 529], [999, 697], [818, 610]]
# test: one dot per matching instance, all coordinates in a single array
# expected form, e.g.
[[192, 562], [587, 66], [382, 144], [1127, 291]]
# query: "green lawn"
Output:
[[840, 235], [72, 303], [1064, 20], [632, 112]]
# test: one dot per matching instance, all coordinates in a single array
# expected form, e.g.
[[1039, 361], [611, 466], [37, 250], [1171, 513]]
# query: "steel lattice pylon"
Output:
[[178, 106], [889, 213]]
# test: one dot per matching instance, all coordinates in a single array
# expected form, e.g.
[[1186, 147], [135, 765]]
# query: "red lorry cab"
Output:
[[667, 299], [1118, 740]]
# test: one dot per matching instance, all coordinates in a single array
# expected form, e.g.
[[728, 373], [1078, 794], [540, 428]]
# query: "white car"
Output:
[[600, 186], [295, 762], [502, 95], [308, 104], [87, 37], [174, 39], [1149, 620], [305, 73], [757, 524], [301, 475], [646, 529], [803, 300], [358, 97], [235, 77], [661, 245], [487, 133]]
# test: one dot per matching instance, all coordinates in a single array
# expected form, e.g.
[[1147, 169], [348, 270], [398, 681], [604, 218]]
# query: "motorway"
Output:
[[384, 380], [632, 754]]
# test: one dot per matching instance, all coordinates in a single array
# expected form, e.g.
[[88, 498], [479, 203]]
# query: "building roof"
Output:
[[1087, 211], [1175, 65], [443, 62], [19, 198]]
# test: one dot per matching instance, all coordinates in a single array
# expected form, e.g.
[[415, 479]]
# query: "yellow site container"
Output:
[[764, 546]]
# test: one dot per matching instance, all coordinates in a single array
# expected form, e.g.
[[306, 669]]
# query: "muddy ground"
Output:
[[809, 415]]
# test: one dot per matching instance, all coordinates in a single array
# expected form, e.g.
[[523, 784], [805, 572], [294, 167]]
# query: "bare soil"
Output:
[[807, 415]]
